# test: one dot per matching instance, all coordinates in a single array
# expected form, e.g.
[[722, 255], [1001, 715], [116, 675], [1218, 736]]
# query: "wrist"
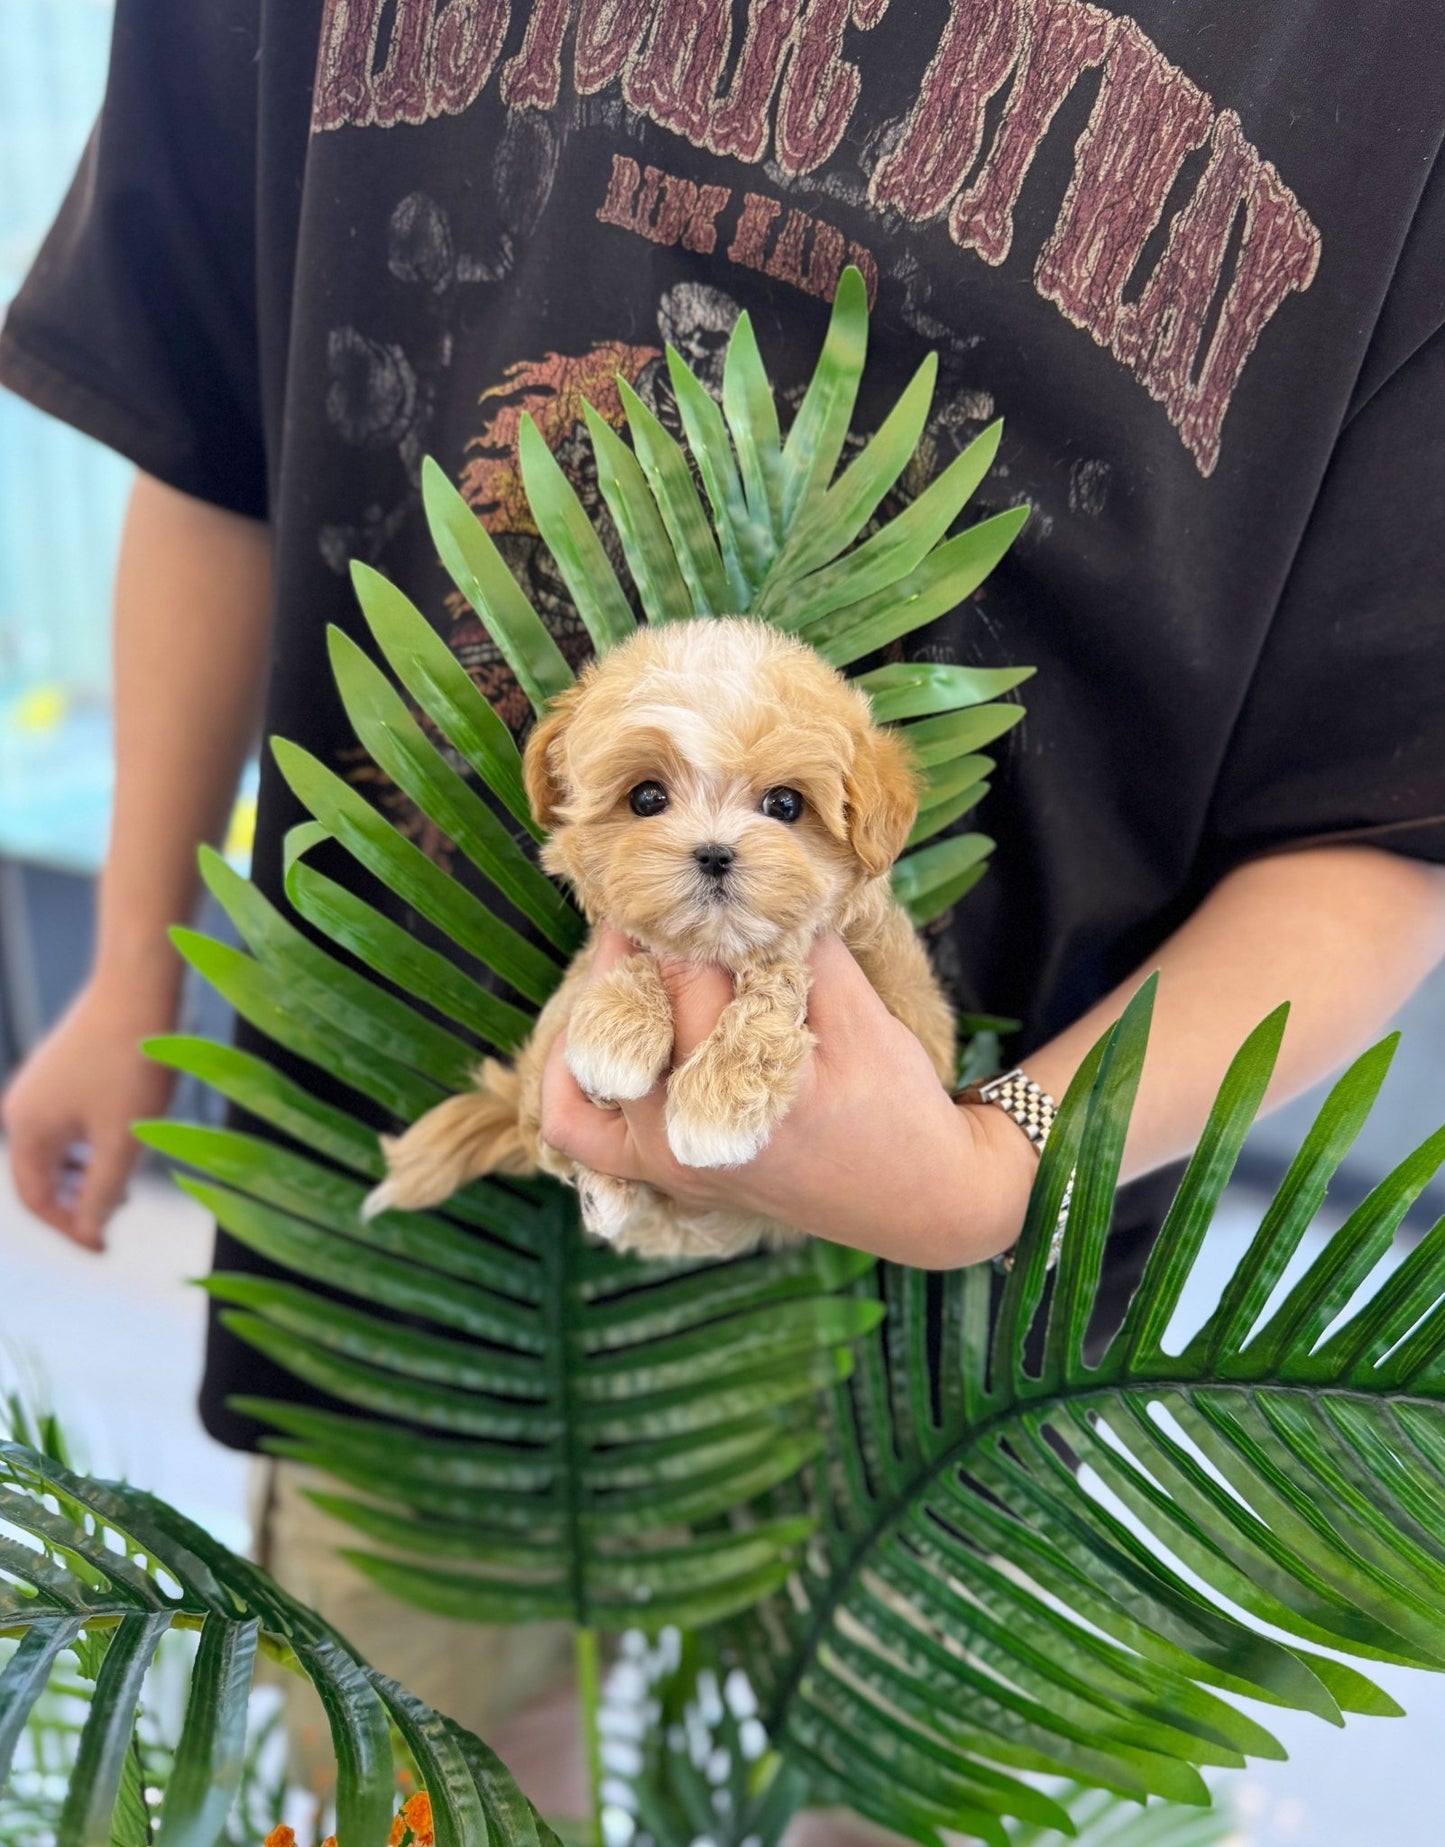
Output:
[[1006, 1162], [140, 980]]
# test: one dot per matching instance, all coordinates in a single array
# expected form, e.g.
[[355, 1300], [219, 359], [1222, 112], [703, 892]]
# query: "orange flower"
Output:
[[281, 1837], [398, 1832], [330, 1841], [416, 1813]]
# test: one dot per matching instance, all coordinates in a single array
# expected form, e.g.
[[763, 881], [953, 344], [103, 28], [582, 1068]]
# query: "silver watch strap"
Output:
[[1034, 1110]]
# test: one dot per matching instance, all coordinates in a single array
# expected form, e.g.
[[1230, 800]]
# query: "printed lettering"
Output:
[[1059, 42], [533, 78], [398, 90], [465, 43], [739, 121], [608, 34], [676, 76], [1147, 117], [809, 253], [749, 245], [820, 90], [663, 207], [943, 133], [436, 63], [620, 205], [1159, 335], [344, 53], [668, 57]]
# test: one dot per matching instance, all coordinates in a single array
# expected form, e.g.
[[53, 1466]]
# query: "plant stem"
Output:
[[589, 1704]]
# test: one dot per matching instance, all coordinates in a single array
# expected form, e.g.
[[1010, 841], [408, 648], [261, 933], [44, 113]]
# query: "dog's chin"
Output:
[[713, 929]]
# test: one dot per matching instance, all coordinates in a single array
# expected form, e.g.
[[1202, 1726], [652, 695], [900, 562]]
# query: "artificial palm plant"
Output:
[[104, 1573], [938, 1611]]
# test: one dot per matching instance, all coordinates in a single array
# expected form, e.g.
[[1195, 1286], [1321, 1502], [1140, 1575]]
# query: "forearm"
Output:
[[1345, 934], [191, 628]]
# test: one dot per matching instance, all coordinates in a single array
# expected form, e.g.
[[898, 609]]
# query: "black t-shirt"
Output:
[[1193, 256]]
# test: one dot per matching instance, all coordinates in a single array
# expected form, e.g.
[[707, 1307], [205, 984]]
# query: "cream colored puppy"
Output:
[[719, 793]]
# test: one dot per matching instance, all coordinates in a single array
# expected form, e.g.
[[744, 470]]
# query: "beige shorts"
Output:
[[479, 1674]]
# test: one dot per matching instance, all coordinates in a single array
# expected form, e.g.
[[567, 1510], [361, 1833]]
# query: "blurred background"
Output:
[[115, 1343]]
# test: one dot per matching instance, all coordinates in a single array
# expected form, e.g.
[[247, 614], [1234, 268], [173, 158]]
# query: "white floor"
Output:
[[114, 1343]]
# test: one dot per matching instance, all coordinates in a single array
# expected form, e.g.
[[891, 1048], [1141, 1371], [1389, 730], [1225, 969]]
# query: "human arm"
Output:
[[873, 1154], [190, 631]]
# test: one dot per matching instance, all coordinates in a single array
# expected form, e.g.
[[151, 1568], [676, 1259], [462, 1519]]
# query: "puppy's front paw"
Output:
[[619, 1036], [707, 1126], [724, 1103], [700, 1143]]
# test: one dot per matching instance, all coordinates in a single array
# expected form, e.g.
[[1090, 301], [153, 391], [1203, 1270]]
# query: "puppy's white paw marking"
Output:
[[604, 1072], [701, 1142]]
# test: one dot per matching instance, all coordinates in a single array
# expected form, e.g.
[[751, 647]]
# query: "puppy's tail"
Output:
[[476, 1133]]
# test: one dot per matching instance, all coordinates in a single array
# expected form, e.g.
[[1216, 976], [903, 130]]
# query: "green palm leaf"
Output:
[[553, 1388], [436, 679], [981, 1613], [96, 1563], [573, 542], [696, 1768], [664, 466], [1100, 1820], [480, 573]]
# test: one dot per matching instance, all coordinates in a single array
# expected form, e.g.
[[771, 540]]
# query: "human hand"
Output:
[[872, 1153], [66, 1112]]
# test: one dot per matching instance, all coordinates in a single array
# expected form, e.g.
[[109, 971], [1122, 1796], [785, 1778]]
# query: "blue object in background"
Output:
[[62, 499], [61, 496]]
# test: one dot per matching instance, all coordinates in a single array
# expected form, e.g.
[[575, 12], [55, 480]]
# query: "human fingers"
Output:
[[613, 948], [41, 1158], [840, 995], [112, 1156], [576, 1127], [698, 992]]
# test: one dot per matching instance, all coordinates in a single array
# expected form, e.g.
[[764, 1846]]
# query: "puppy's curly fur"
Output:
[[717, 791]]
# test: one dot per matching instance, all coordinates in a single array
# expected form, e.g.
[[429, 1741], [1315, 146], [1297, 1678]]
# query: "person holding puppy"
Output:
[[309, 245]]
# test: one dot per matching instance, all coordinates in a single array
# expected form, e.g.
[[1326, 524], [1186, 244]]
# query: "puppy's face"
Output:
[[714, 787]]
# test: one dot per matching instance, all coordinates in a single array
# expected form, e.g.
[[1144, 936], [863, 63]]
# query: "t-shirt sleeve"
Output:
[[1342, 735], [137, 321]]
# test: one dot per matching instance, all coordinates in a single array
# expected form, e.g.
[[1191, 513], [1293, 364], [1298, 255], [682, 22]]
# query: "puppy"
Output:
[[714, 789]]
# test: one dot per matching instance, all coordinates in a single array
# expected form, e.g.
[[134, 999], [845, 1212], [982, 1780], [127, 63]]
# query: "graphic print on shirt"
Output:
[[786, 95]]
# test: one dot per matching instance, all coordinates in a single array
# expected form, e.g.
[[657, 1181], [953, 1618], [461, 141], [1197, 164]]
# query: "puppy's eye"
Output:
[[783, 805], [647, 798]]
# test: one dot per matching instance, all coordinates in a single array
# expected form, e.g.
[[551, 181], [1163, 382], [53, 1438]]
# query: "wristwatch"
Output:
[[1034, 1110]]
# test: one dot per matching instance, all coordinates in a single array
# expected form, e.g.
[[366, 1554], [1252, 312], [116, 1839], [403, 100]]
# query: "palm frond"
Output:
[[98, 1564], [685, 1755], [979, 1611], [480, 572], [1098, 1819], [778, 538], [540, 1386], [688, 1759]]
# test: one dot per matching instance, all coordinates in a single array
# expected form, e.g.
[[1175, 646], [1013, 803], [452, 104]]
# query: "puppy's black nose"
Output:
[[713, 859]]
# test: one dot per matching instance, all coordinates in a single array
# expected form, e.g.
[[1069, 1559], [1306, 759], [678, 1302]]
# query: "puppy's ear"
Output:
[[881, 791], [542, 758]]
